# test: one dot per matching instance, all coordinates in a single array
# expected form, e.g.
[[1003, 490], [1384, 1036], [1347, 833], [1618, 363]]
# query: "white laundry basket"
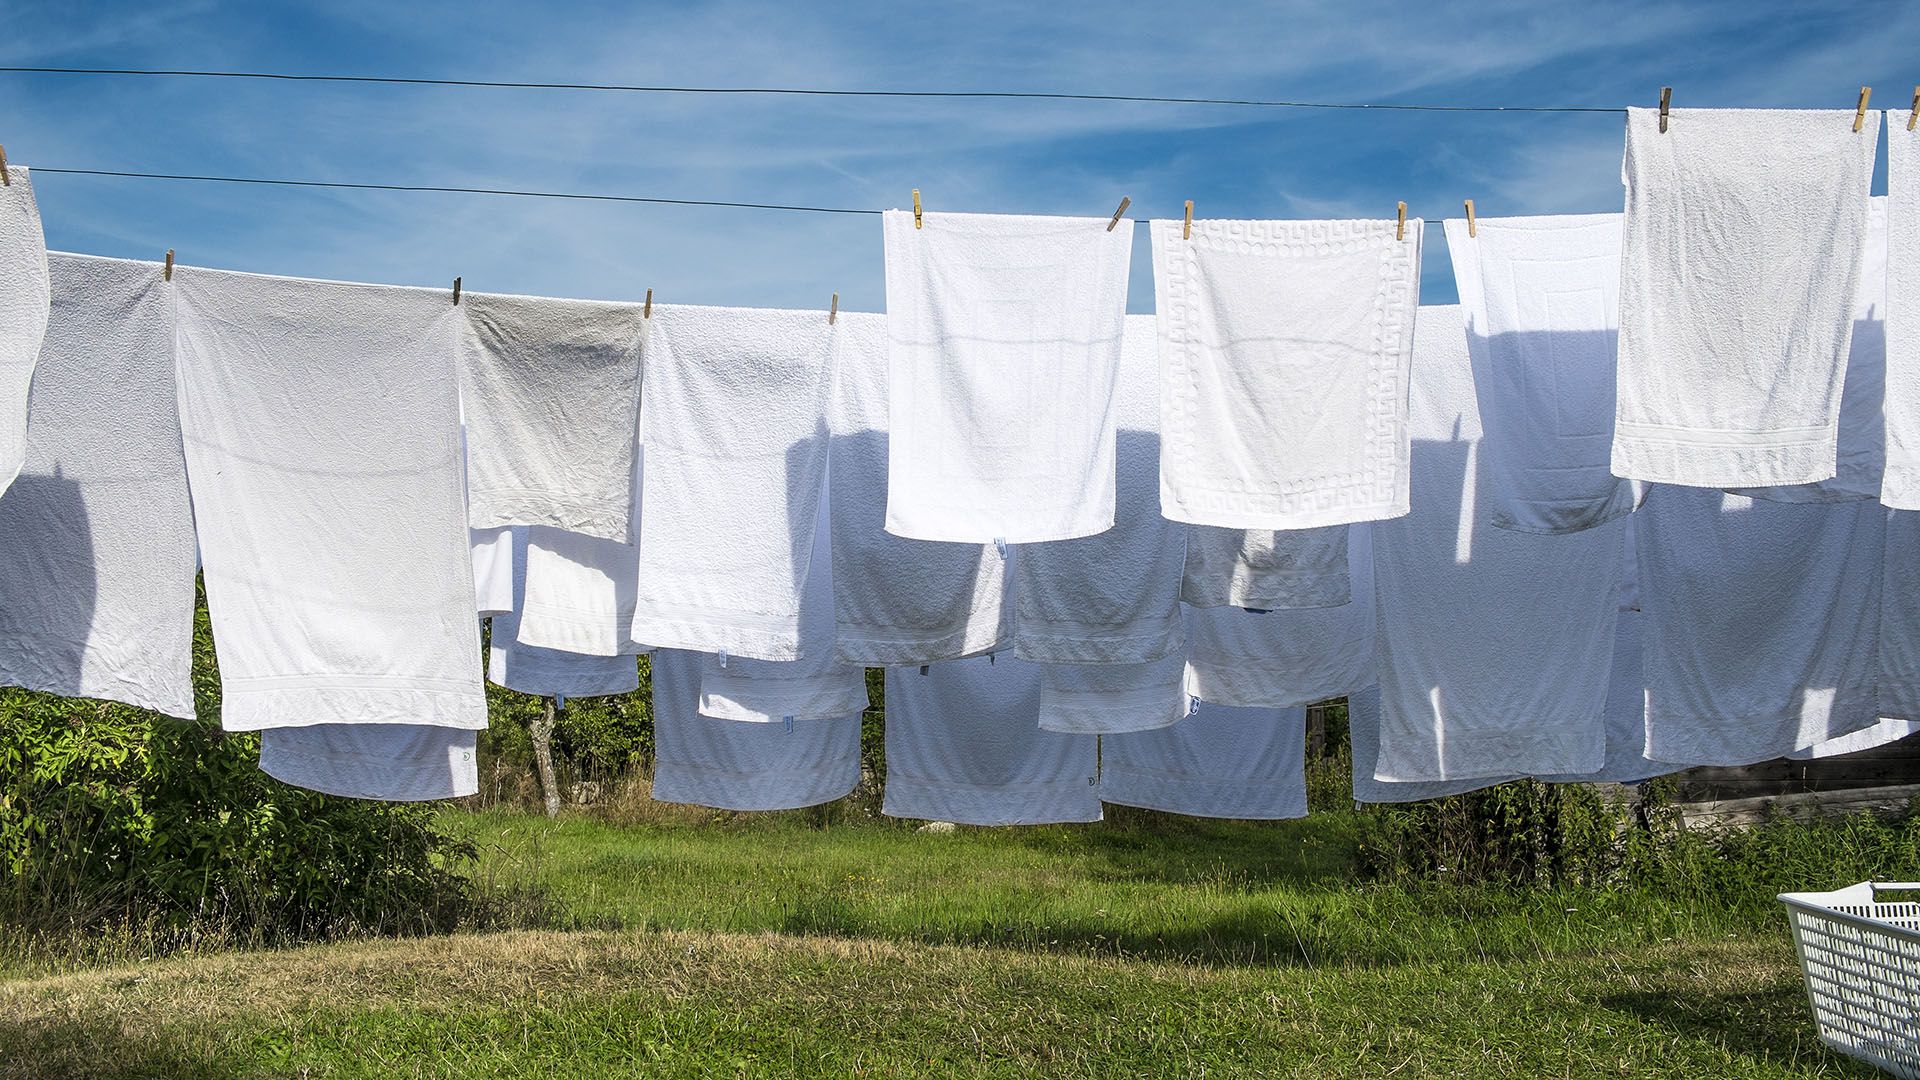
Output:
[[1862, 961]]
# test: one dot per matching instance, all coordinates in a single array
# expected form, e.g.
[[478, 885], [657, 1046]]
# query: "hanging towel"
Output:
[[551, 390], [1899, 660], [1862, 451], [1282, 658], [1283, 370], [96, 535], [322, 434], [963, 746], [1246, 764], [1902, 486], [1626, 756], [732, 765], [897, 601], [1494, 645], [579, 594], [1004, 349], [1363, 729], [735, 440], [1102, 699], [24, 303], [543, 671], [1541, 297], [1266, 568], [1743, 239], [493, 563], [391, 762], [817, 687], [1762, 623], [1113, 598]]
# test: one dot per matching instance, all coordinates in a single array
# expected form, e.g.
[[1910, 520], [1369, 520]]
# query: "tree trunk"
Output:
[[542, 732]]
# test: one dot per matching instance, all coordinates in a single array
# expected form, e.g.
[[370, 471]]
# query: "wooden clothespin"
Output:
[[1473, 229], [7, 181], [1666, 98], [1124, 203], [456, 292], [1186, 229], [916, 208], [1400, 230], [1913, 119], [833, 313], [646, 310], [166, 272], [1860, 113]]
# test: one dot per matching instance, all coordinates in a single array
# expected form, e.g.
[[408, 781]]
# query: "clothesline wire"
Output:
[[790, 91]]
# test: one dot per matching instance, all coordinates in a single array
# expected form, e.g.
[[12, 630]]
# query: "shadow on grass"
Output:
[[38, 1049], [1772, 1024]]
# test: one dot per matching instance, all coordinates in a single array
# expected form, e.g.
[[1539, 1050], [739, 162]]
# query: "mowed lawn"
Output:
[[1139, 947]]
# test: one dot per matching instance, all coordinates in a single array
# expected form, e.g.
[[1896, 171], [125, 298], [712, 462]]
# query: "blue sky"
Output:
[[997, 156]]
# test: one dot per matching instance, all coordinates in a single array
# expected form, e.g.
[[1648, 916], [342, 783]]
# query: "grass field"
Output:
[[1140, 947]]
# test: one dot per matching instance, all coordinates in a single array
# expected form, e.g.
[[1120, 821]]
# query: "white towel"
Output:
[[322, 433], [551, 390], [1542, 302], [740, 766], [1862, 450], [963, 746], [543, 671], [1283, 367], [1363, 729], [24, 301], [735, 438], [1880, 734], [96, 579], [1899, 666], [896, 601], [1281, 658], [1494, 645], [1742, 256], [1266, 569], [579, 594], [1004, 345], [1626, 756], [1113, 598], [817, 687], [1762, 623], [493, 562], [1221, 762], [1902, 487], [392, 762], [1100, 699]]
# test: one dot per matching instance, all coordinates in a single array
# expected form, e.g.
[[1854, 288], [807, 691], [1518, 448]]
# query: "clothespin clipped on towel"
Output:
[[1860, 113], [646, 310], [833, 313], [1912, 119], [1666, 98], [7, 181], [456, 292], [1472, 228], [1125, 202], [1400, 229], [916, 208], [166, 272], [1186, 228]]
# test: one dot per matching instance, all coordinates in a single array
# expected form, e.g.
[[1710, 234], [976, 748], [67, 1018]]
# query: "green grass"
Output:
[[1139, 947]]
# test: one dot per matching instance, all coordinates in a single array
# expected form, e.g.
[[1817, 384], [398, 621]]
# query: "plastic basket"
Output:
[[1861, 957]]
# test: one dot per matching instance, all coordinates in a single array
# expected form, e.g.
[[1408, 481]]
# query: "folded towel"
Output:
[[1742, 253], [1762, 623], [322, 434], [1862, 451], [1494, 645], [1363, 729], [96, 583], [24, 299], [817, 687], [735, 439], [1004, 344], [1221, 762], [544, 671], [1902, 488], [392, 762], [1281, 658], [1283, 367], [1266, 568], [896, 601], [1102, 699], [1542, 302], [963, 746], [738, 766], [1113, 598], [551, 394], [493, 562]]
